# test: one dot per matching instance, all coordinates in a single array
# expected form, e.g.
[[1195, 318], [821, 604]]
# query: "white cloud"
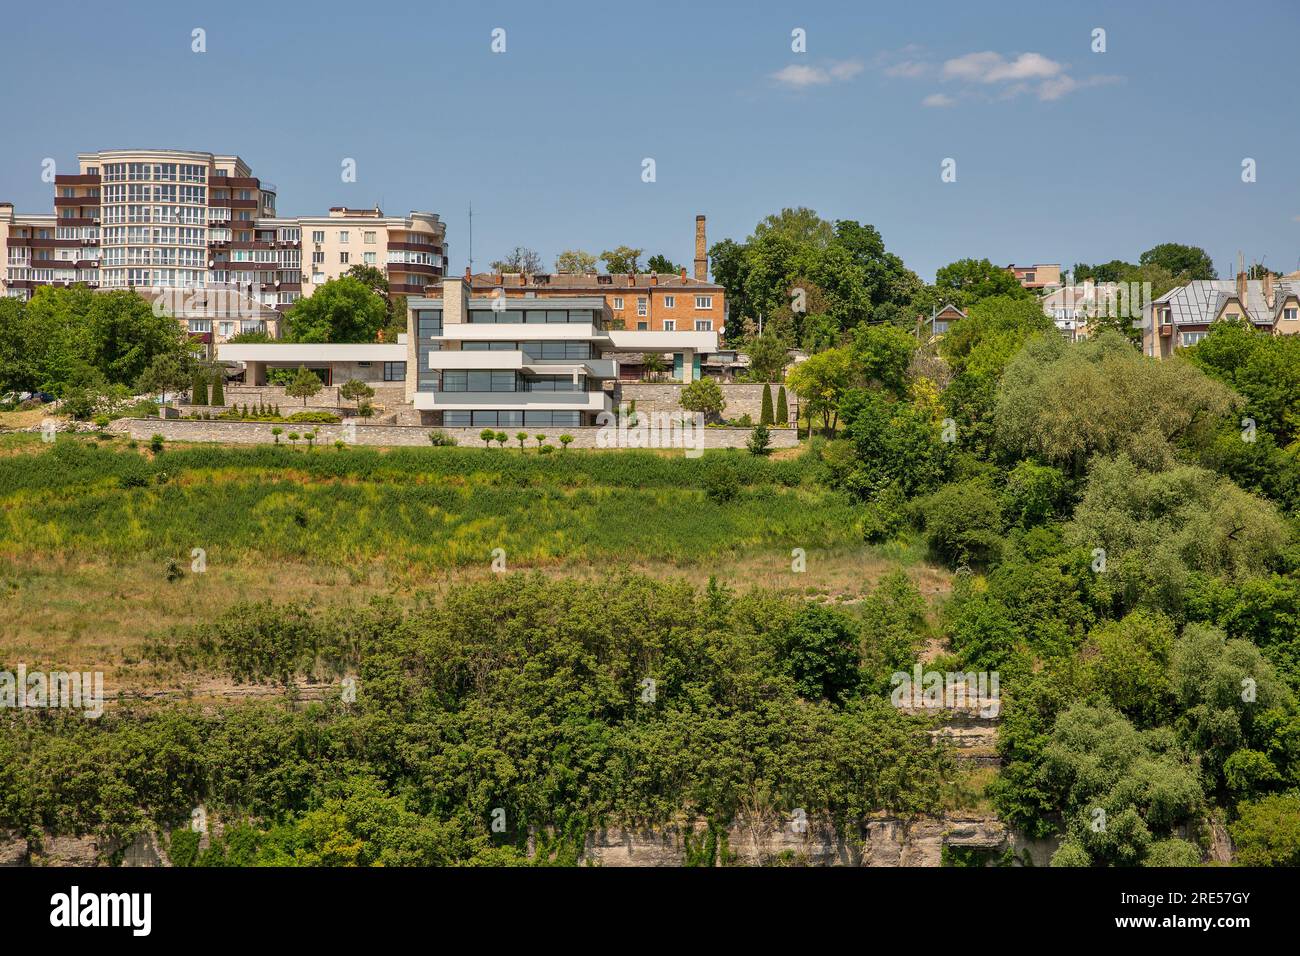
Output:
[[990, 67], [799, 77], [938, 100]]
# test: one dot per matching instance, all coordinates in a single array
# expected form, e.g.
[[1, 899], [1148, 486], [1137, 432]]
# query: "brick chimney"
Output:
[[467, 273], [1268, 289], [631, 279], [654, 278], [1241, 288], [701, 251], [683, 273]]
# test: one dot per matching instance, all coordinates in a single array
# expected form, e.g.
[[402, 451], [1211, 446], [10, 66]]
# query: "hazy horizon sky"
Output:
[[1062, 154]]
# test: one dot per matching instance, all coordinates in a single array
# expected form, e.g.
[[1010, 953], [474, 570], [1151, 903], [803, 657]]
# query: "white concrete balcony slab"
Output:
[[624, 340]]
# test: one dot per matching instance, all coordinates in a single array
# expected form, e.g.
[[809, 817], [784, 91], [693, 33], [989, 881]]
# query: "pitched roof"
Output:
[[1199, 302]]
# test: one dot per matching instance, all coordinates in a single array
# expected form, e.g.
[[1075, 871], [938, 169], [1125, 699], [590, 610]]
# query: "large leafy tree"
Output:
[[967, 281], [342, 310], [808, 279], [821, 382], [575, 262], [1185, 262], [66, 337], [622, 259]]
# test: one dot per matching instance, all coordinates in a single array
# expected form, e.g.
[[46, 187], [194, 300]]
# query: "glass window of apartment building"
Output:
[[642, 306], [670, 301], [618, 302], [394, 371], [343, 236], [703, 325], [369, 236], [670, 325], [704, 302]]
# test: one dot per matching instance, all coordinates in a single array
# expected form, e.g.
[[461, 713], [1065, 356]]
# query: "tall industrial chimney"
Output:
[[701, 251]]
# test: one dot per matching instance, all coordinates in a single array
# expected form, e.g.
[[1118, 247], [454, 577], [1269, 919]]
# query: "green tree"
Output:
[[662, 264], [765, 416], [355, 390], [167, 372], [1187, 263], [575, 262], [1267, 831], [304, 385], [967, 281], [218, 396], [782, 410], [199, 387], [820, 651], [767, 358], [622, 259], [341, 310], [488, 436], [703, 396], [882, 354], [521, 437], [822, 381]]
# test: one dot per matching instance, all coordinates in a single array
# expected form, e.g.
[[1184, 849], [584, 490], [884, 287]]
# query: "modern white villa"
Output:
[[468, 361]]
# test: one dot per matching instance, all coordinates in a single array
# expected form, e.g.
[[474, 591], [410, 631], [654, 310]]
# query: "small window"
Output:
[[394, 371], [670, 301], [704, 302], [643, 326], [703, 325], [343, 258], [343, 236], [670, 325], [618, 303], [1289, 315], [642, 306], [370, 237], [318, 235]]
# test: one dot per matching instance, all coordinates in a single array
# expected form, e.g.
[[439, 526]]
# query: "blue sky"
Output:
[[1062, 154]]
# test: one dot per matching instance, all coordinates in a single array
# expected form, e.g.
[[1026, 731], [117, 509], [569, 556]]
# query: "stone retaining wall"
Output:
[[259, 433], [742, 399]]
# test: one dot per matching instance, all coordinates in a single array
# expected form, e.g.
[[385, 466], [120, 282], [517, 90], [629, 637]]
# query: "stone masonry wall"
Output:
[[742, 398], [257, 433]]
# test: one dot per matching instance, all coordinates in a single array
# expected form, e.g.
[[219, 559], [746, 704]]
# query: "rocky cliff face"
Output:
[[884, 841]]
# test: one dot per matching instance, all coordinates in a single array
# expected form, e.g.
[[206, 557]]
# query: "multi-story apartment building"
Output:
[[180, 221], [1042, 276], [1183, 315], [410, 250]]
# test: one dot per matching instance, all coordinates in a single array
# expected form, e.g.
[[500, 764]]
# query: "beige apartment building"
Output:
[[410, 250], [202, 230]]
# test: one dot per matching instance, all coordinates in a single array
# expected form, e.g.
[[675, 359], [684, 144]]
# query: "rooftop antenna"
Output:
[[471, 238]]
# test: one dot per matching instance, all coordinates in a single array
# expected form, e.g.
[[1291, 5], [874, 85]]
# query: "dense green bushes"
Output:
[[563, 704]]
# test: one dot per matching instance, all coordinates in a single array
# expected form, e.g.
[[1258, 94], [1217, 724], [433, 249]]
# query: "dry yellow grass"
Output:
[[66, 613]]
